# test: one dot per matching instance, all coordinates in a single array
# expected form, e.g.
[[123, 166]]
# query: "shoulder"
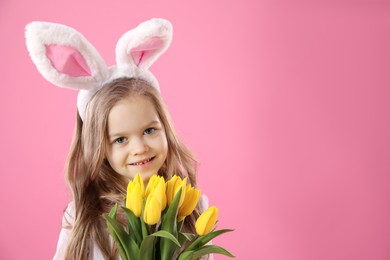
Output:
[[68, 220], [66, 231], [69, 215], [203, 202]]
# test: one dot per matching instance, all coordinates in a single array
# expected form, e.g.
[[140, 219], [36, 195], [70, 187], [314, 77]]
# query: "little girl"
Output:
[[122, 127]]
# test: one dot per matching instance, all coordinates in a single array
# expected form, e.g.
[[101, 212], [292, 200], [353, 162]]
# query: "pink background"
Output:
[[286, 106]]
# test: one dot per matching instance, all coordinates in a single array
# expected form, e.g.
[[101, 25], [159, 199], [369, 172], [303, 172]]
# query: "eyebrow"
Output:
[[154, 122]]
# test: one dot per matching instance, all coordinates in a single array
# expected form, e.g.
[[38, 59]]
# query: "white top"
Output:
[[65, 234]]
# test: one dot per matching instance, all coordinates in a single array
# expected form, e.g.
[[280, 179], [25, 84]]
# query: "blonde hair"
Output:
[[95, 186]]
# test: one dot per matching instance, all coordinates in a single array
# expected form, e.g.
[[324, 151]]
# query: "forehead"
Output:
[[130, 114]]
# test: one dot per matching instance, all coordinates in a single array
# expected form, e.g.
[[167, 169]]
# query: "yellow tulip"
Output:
[[134, 198], [152, 210], [206, 221], [160, 192], [151, 184], [190, 201], [173, 186], [156, 185], [138, 179]]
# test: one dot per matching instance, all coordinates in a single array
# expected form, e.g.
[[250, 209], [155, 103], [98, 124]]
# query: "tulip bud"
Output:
[[152, 210], [160, 192], [134, 198], [151, 184], [173, 186], [157, 186], [206, 221], [138, 179], [191, 199]]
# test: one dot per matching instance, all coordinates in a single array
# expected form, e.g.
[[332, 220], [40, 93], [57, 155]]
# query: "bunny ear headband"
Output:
[[65, 58]]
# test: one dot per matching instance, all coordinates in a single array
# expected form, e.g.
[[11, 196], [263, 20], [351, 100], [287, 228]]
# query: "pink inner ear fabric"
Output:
[[143, 52], [67, 60]]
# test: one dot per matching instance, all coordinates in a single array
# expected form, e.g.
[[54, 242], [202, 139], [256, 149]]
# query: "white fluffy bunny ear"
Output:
[[64, 57], [142, 46]]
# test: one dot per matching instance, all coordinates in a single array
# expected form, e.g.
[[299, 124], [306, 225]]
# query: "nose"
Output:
[[138, 146]]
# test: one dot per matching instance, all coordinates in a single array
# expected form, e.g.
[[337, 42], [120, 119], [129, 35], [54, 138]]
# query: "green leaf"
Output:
[[180, 225], [185, 255], [119, 235], [147, 248], [134, 250], [189, 236], [207, 238], [112, 213], [117, 242], [184, 237], [165, 234], [210, 249], [134, 225], [202, 240], [169, 224]]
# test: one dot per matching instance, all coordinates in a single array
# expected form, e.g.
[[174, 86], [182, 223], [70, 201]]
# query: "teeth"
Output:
[[143, 162]]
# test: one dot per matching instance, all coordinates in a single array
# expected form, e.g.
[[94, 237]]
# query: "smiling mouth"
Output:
[[142, 162]]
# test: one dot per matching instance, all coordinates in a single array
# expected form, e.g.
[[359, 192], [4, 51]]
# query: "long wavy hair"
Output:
[[95, 186]]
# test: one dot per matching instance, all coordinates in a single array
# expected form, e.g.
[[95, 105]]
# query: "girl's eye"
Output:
[[120, 140], [149, 131]]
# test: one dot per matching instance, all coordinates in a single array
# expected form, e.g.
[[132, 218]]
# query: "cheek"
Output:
[[113, 156], [160, 145], [108, 154]]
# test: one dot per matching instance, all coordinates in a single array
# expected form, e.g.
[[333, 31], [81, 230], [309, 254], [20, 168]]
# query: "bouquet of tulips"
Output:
[[155, 217]]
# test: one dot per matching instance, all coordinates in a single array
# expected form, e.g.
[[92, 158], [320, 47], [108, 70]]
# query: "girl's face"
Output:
[[136, 138]]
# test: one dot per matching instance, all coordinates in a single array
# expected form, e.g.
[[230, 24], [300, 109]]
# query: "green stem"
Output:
[[144, 226], [180, 225]]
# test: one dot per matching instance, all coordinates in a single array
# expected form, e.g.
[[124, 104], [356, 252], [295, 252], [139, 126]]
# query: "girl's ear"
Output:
[[64, 57], [142, 46]]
